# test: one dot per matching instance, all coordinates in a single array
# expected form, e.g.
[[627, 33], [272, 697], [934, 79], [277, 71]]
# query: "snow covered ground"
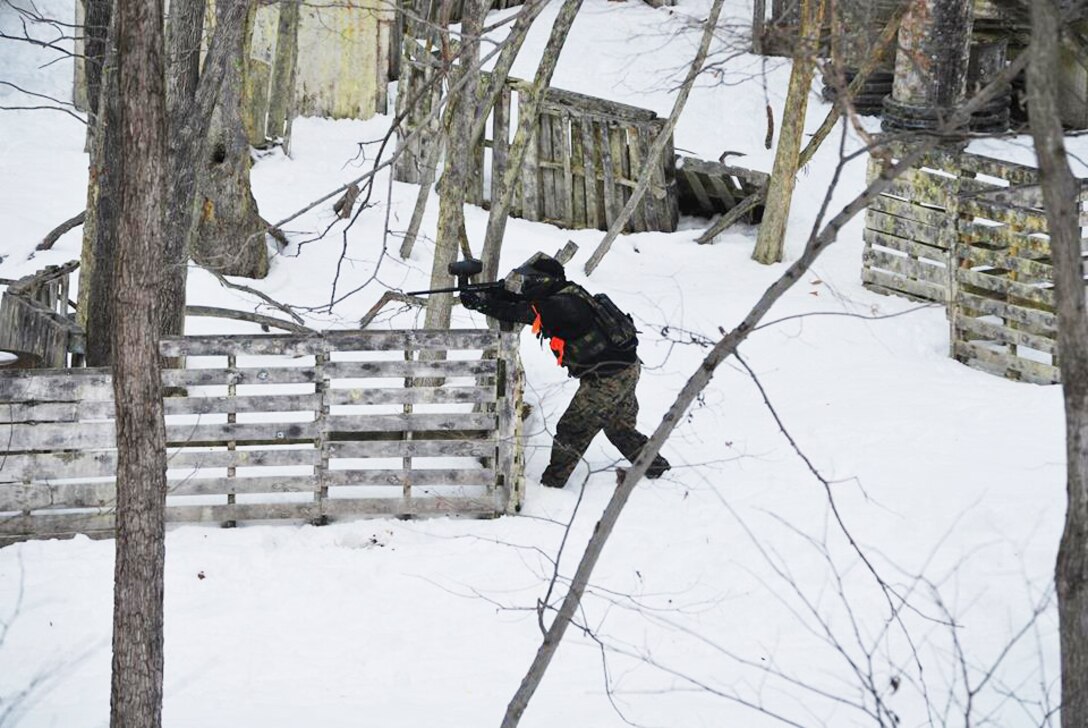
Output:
[[728, 596]]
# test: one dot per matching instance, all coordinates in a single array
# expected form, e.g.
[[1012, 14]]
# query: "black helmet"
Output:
[[536, 278]]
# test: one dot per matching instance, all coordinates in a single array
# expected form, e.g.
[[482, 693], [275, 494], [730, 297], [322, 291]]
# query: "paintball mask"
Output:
[[534, 279]]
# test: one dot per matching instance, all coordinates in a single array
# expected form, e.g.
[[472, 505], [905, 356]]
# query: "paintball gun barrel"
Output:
[[463, 270]]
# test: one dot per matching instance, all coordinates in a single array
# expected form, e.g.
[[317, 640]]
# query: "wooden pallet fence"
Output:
[[36, 320], [911, 227], [1003, 309], [579, 169], [271, 427], [583, 163]]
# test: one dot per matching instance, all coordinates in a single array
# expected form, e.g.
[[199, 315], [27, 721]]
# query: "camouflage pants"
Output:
[[604, 403]]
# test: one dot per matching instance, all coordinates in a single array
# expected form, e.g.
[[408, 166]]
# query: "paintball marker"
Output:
[[463, 270]]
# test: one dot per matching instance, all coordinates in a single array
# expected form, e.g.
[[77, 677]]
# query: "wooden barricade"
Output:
[[35, 319], [712, 188], [580, 166], [910, 228], [1003, 310], [271, 427]]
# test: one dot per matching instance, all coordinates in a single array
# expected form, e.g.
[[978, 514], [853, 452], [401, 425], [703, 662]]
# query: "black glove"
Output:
[[472, 300]]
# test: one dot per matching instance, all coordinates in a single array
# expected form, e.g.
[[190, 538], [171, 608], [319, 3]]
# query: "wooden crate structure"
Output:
[[910, 228], [712, 188], [580, 165], [583, 163], [37, 320], [270, 427], [1003, 310]]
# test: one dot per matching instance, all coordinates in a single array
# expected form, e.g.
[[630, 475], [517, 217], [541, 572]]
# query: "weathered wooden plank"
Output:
[[256, 432], [415, 506], [409, 395], [411, 422], [693, 180], [1041, 320], [41, 496], [39, 466], [241, 484], [903, 228], [966, 328], [709, 169], [976, 235], [237, 375], [1005, 286], [905, 266], [590, 166], [576, 103], [56, 524], [185, 460], [55, 385], [578, 174], [409, 369], [564, 180], [240, 512], [1032, 269], [500, 146], [877, 239], [529, 181], [908, 210], [546, 163], [59, 436], [31, 327], [979, 356], [246, 403], [612, 207], [411, 449], [329, 341], [413, 477], [892, 283], [33, 412], [1021, 219]]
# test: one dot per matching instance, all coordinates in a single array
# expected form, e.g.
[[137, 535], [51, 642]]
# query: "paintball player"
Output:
[[595, 341]]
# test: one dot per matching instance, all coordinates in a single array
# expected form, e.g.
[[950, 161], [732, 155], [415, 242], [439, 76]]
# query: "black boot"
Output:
[[657, 468]]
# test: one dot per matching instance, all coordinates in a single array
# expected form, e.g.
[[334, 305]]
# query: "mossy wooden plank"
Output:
[[905, 266], [908, 211], [975, 234], [1005, 286], [1032, 269], [1021, 219], [966, 328], [978, 355], [1041, 319], [903, 228], [895, 284], [877, 239]]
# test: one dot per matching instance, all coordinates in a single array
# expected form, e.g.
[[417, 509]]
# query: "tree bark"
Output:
[[653, 157], [136, 688], [1060, 191], [100, 226], [771, 238], [229, 235], [500, 208], [455, 176]]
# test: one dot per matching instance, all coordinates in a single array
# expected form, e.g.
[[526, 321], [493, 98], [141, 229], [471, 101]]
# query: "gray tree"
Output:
[[136, 688], [1060, 191]]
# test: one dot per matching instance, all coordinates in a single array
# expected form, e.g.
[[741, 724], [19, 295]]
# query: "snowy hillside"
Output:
[[728, 596]]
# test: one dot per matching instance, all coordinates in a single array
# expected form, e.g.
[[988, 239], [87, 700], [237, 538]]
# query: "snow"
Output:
[[728, 594]]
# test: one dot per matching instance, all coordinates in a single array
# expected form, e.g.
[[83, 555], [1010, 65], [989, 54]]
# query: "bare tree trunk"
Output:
[[100, 228], [455, 176], [771, 238], [186, 25], [229, 235], [1060, 191], [136, 689], [653, 157], [191, 103], [500, 207], [96, 25]]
